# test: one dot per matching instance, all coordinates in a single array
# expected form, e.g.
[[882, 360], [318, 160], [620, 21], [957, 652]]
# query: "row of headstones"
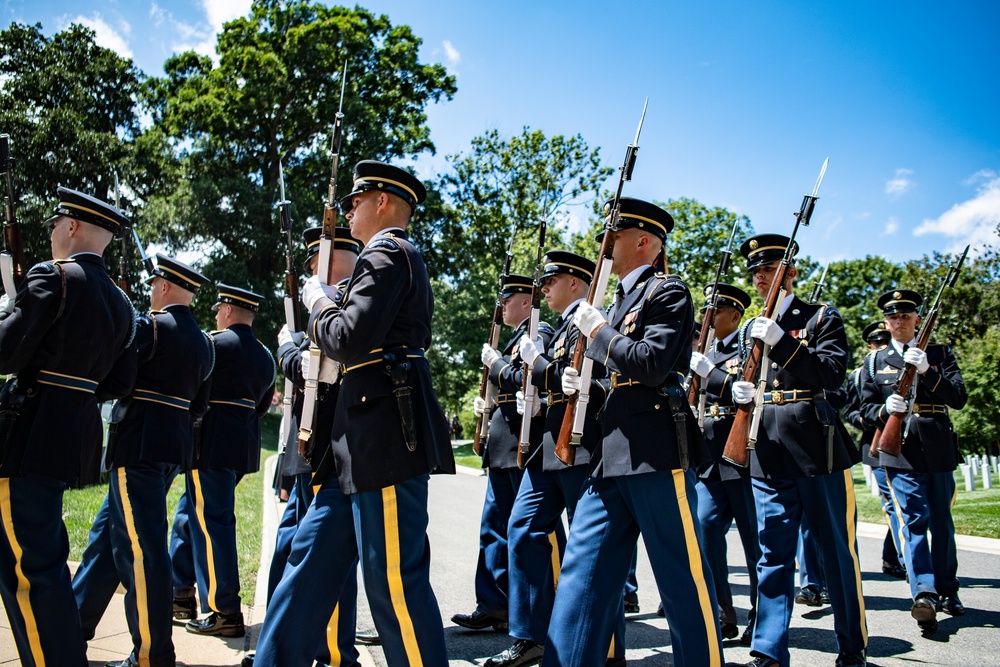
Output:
[[984, 467]]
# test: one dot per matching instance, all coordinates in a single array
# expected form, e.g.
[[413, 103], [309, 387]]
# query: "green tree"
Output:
[[854, 288], [976, 424]]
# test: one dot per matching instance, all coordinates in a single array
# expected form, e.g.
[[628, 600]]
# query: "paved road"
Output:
[[894, 639]]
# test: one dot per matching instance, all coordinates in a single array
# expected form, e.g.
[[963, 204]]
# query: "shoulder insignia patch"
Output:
[[383, 243], [886, 371]]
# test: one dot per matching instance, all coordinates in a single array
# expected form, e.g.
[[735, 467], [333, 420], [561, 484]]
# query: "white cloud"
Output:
[[200, 36], [220, 11], [970, 222], [900, 184], [452, 54], [891, 227], [106, 36]]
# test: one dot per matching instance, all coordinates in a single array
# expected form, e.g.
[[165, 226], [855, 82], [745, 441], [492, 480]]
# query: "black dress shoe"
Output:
[[894, 570], [729, 630], [659, 611], [218, 625], [247, 660], [185, 609], [763, 661], [615, 662], [852, 659], [522, 653], [631, 607], [951, 605], [127, 662], [924, 611], [746, 639], [808, 596], [368, 638], [824, 596], [480, 620]]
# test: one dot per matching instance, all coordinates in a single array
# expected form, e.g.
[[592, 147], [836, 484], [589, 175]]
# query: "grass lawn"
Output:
[[465, 457], [80, 506]]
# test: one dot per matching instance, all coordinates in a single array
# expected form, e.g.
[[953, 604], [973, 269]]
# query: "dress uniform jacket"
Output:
[[387, 309], [852, 415], [290, 360], [647, 344], [810, 357], [79, 336], [507, 374], [719, 410], [154, 424], [547, 376], [930, 445], [242, 387]]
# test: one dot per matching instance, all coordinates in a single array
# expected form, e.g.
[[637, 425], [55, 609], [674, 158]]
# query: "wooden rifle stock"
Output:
[[707, 326], [13, 245], [565, 451], [890, 436]]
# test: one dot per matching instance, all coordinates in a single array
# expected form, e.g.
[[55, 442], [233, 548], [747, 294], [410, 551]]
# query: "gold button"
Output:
[[774, 365], [656, 407], [364, 398]]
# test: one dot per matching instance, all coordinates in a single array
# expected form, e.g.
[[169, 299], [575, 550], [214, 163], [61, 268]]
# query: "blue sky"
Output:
[[746, 99]]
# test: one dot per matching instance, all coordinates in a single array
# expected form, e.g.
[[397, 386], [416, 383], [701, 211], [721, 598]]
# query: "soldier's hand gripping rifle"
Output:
[[818, 287], [743, 436], [696, 391], [571, 431], [529, 389], [324, 268], [291, 300], [486, 389], [124, 282], [12, 262], [890, 437]]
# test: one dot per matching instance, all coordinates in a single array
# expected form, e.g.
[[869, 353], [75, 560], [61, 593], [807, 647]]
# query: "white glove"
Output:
[[530, 350], [489, 355], [313, 291], [743, 391], [479, 406], [6, 304], [284, 335], [304, 365], [571, 381], [767, 330], [700, 364], [329, 370], [587, 319], [536, 406], [896, 403], [917, 357]]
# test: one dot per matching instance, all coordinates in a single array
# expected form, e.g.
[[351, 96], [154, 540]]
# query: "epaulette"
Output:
[[217, 331], [56, 262], [385, 242], [546, 326], [157, 312]]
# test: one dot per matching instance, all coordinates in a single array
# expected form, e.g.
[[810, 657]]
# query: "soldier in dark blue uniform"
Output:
[[150, 439], [203, 539], [802, 460], [65, 343], [500, 458], [638, 484], [876, 336], [724, 491], [922, 477], [388, 434]]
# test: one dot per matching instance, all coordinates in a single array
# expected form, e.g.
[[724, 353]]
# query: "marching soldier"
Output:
[[876, 336], [802, 460], [724, 491], [500, 458], [203, 543], [922, 478], [150, 439], [638, 485], [388, 434], [65, 342]]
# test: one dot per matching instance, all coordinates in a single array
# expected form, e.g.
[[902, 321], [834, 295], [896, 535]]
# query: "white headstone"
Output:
[[970, 480]]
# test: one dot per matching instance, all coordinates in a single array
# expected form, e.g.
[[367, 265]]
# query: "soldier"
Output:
[[65, 344], [388, 433], [876, 336], [922, 477], [500, 458], [203, 539], [802, 460], [724, 491], [638, 484], [150, 439]]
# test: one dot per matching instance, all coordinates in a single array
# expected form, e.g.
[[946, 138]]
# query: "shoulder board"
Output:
[[546, 327], [157, 312], [384, 243], [217, 331], [62, 261]]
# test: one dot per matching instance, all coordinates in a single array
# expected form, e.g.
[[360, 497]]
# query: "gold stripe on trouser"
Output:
[[611, 649], [199, 510], [556, 561], [899, 517], [332, 638], [23, 585], [138, 573], [390, 517], [851, 517], [954, 497], [694, 566], [315, 487]]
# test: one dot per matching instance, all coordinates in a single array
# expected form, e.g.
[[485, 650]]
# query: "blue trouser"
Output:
[[492, 580], [810, 559], [720, 502], [923, 504], [610, 515], [829, 504], [389, 528], [631, 592], [892, 548], [299, 499], [204, 534], [96, 580], [34, 577]]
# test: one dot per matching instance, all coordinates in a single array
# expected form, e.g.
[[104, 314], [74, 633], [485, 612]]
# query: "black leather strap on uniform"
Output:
[[397, 367]]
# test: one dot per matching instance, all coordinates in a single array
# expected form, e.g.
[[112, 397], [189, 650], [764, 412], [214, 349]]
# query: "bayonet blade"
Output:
[[641, 118], [822, 173]]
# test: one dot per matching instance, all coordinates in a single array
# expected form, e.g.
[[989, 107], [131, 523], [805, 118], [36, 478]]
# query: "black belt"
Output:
[[239, 402], [791, 396], [930, 409], [717, 411], [506, 398], [616, 382], [67, 381], [163, 399], [555, 398], [376, 356]]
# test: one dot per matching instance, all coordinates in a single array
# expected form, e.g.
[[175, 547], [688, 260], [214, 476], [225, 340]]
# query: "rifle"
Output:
[[325, 267], [890, 437], [485, 384], [147, 261], [124, 283], [291, 300], [571, 431], [530, 392], [12, 262], [696, 392], [818, 287], [743, 435]]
